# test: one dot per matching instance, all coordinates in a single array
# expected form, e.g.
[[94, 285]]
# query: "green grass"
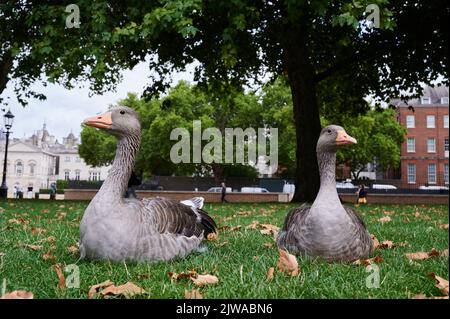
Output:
[[241, 264]]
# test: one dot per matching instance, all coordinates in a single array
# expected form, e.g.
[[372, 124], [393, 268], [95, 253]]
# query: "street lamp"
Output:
[[9, 119]]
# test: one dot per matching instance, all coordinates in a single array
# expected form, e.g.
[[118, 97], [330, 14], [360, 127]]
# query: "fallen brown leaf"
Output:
[[73, 249], [93, 289], [222, 244], [33, 247], [384, 219], [388, 213], [444, 253], [176, 276], [127, 290], [212, 237], [37, 230], [192, 294], [441, 283], [18, 294], [252, 225], [365, 262], [202, 280], [433, 253], [268, 245], [417, 256], [287, 263], [387, 244], [61, 279], [270, 273], [48, 255], [443, 226]]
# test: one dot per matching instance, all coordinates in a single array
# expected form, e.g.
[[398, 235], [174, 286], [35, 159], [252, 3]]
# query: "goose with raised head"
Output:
[[152, 229], [326, 229]]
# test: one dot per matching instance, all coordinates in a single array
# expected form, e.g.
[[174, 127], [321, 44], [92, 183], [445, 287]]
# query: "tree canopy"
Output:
[[325, 49]]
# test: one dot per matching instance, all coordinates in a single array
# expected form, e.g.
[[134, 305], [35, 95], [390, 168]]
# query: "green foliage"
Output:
[[379, 137], [61, 184]]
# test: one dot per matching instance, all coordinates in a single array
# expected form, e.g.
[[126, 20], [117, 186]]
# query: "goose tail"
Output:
[[208, 224]]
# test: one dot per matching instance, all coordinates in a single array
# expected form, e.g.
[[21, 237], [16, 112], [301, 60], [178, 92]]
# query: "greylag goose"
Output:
[[326, 229], [152, 229]]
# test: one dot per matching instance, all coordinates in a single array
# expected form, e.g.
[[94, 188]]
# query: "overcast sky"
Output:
[[64, 110]]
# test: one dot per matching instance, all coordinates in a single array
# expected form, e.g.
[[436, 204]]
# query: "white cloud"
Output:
[[64, 110]]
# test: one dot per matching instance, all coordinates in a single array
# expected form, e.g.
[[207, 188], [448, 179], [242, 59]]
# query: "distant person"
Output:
[[53, 190], [18, 190], [362, 195], [224, 193], [133, 181], [30, 191]]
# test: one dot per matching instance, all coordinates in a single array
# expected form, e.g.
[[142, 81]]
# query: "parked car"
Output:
[[254, 190], [383, 186], [345, 184], [433, 188], [218, 190]]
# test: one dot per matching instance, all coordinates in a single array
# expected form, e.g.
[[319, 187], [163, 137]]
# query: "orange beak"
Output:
[[343, 138], [99, 121]]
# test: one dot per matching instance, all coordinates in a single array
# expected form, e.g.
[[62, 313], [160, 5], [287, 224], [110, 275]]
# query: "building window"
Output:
[[94, 176], [446, 173], [431, 123], [411, 145], [77, 175], [67, 159], [77, 159], [411, 173], [444, 100], [432, 173], [446, 121], [431, 145], [66, 175], [19, 168], [426, 100], [410, 123], [32, 168]]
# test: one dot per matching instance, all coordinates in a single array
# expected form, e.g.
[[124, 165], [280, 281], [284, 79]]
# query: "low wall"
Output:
[[399, 198], [88, 194]]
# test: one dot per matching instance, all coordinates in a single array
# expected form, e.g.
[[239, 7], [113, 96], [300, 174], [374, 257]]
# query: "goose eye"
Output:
[[122, 112], [329, 131]]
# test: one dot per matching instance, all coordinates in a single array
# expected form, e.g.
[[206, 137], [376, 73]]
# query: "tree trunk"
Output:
[[306, 115], [5, 67]]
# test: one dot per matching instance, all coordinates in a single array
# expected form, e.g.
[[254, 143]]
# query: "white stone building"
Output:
[[40, 160]]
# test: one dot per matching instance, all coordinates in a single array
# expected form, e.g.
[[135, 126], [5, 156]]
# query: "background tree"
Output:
[[379, 138], [319, 45]]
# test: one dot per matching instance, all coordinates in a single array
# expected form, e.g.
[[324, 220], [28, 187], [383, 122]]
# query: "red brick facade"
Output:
[[420, 151]]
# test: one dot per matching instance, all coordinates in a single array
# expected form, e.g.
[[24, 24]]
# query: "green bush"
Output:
[[47, 191], [61, 184]]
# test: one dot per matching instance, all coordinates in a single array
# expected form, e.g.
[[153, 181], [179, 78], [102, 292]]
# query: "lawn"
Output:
[[239, 258]]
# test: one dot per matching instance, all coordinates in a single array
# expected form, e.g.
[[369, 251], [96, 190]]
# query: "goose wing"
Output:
[[169, 216], [362, 232], [289, 235]]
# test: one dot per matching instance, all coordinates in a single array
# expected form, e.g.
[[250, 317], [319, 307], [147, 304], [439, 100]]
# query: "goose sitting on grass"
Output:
[[326, 229], [154, 229]]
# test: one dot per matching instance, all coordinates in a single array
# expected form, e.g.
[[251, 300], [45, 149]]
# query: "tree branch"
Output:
[[6, 64]]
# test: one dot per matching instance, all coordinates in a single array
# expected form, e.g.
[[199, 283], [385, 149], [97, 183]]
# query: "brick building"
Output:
[[425, 151]]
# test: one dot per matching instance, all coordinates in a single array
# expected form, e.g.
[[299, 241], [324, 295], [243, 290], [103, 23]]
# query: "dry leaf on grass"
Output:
[[176, 276], [287, 263], [384, 219], [231, 228], [222, 244], [61, 279], [444, 253], [443, 226], [422, 296], [270, 274], [192, 294], [127, 290], [387, 244], [365, 262], [388, 213], [441, 283], [48, 255], [421, 255], [18, 294], [268, 245], [73, 249], [94, 288], [33, 247], [37, 230], [212, 236], [202, 280], [253, 225]]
